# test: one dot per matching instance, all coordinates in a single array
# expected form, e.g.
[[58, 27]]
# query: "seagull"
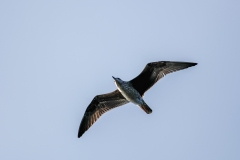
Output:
[[129, 91]]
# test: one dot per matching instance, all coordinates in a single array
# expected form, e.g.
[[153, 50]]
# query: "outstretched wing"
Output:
[[155, 71], [99, 105]]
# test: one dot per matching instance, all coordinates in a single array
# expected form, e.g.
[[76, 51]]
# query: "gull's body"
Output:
[[129, 91], [131, 94]]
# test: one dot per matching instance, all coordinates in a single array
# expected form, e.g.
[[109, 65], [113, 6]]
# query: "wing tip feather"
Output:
[[193, 64]]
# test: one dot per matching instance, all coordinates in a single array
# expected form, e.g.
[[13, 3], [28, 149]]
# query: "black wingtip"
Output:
[[80, 133], [194, 64], [191, 64], [82, 129]]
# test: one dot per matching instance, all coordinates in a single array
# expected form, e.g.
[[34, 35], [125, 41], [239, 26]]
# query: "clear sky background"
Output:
[[55, 56]]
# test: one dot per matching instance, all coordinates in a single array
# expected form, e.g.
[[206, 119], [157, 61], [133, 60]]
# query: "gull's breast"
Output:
[[130, 93]]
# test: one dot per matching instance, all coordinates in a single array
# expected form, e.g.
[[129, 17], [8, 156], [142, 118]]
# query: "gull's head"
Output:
[[117, 80]]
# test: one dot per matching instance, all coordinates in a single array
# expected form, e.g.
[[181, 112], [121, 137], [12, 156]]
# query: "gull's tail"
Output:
[[146, 108]]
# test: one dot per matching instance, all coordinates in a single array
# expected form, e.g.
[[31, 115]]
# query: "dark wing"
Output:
[[99, 105], [155, 71]]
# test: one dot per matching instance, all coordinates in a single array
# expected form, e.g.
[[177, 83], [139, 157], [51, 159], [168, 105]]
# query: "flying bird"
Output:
[[129, 91]]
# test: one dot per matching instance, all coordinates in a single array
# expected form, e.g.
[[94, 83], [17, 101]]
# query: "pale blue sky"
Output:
[[55, 56]]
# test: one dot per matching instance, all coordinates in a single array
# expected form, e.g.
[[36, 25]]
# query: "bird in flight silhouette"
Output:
[[129, 91]]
